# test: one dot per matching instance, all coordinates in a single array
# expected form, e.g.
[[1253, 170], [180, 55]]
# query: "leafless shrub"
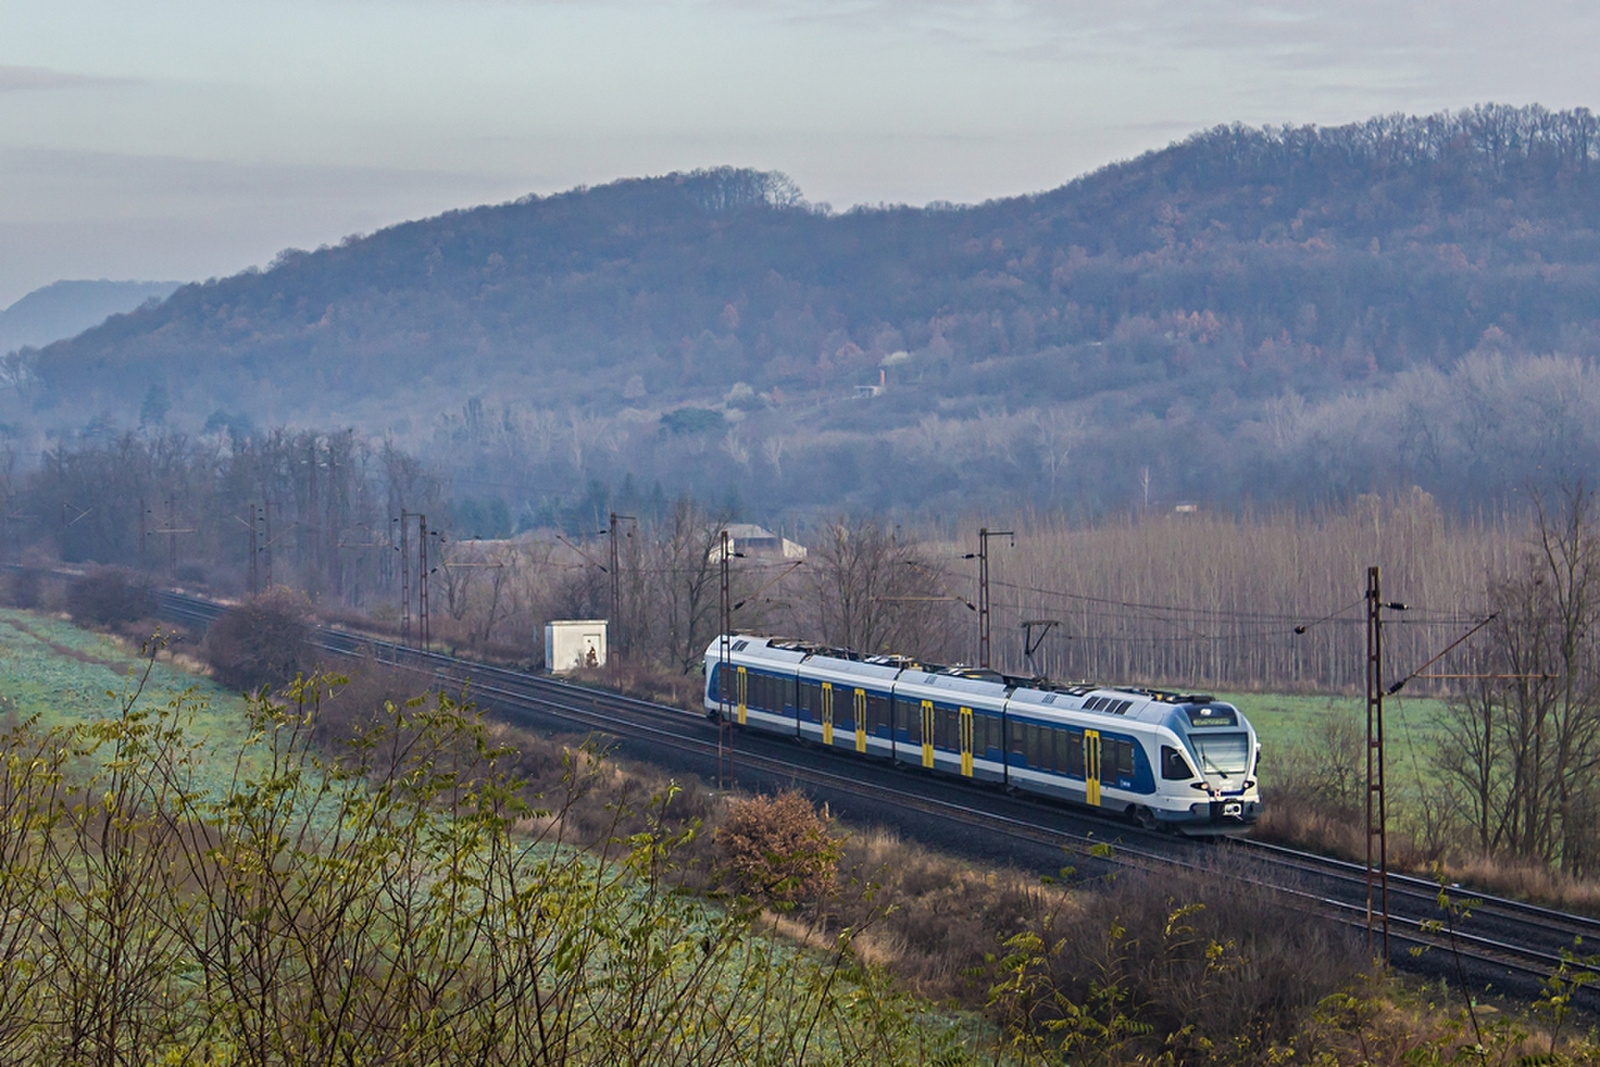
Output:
[[108, 596], [24, 589], [1316, 796], [260, 642]]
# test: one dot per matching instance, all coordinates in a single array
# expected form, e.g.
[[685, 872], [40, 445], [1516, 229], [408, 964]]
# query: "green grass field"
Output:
[[1412, 729], [65, 676], [776, 989]]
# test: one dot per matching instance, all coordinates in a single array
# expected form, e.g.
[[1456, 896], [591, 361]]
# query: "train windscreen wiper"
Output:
[[1207, 761]]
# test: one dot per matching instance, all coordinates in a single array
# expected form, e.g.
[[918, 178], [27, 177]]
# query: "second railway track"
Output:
[[1508, 944]]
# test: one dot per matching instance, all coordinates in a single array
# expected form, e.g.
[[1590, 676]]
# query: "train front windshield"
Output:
[[1222, 754]]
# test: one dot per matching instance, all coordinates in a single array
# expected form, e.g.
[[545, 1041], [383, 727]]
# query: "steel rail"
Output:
[[604, 712]]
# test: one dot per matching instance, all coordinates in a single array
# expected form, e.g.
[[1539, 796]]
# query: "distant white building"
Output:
[[573, 644], [867, 392], [748, 539]]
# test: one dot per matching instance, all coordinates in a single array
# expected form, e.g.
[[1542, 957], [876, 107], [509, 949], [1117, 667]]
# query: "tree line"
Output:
[[1179, 309], [1192, 600], [313, 510]]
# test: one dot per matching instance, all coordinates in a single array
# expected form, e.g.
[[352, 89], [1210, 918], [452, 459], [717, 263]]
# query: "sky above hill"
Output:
[[184, 139]]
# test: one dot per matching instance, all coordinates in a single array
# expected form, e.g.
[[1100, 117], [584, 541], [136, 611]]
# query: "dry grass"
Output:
[[1523, 881], [648, 681], [934, 920]]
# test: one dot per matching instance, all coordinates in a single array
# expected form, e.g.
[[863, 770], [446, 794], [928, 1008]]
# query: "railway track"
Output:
[[1504, 945]]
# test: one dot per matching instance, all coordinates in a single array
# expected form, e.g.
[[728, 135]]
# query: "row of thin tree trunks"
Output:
[[1272, 602]]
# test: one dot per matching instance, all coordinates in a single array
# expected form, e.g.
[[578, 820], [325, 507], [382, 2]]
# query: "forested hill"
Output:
[[65, 308], [1218, 293]]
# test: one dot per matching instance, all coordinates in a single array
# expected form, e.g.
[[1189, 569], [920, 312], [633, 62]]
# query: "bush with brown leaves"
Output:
[[260, 642], [777, 849]]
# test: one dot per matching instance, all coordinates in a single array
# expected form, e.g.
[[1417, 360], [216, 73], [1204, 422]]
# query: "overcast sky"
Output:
[[180, 139]]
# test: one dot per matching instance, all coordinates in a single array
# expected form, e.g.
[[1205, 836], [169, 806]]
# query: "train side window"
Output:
[[1174, 767], [1074, 764], [1124, 759], [878, 714], [985, 734], [1116, 761], [811, 701], [1045, 756], [1038, 748], [844, 708]]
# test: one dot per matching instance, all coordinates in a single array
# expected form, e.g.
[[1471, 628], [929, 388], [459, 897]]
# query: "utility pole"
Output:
[[422, 578], [1376, 807], [172, 534], [615, 651], [266, 543], [255, 553], [1377, 801], [617, 638], [171, 529], [405, 577], [983, 589], [725, 676], [332, 561]]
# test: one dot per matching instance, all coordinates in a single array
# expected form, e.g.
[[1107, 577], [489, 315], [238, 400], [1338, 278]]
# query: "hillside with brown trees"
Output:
[[1299, 314]]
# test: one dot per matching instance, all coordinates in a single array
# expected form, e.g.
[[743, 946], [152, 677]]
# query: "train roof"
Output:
[[1025, 694]]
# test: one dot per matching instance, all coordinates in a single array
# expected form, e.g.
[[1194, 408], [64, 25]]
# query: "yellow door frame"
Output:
[[827, 713], [744, 696], [927, 733], [1091, 766], [966, 742], [861, 720]]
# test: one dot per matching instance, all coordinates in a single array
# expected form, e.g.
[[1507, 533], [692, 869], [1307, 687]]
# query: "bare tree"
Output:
[[503, 567], [872, 592], [686, 583], [1525, 742]]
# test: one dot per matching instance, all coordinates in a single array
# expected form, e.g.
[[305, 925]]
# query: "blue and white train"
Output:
[[1167, 760]]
